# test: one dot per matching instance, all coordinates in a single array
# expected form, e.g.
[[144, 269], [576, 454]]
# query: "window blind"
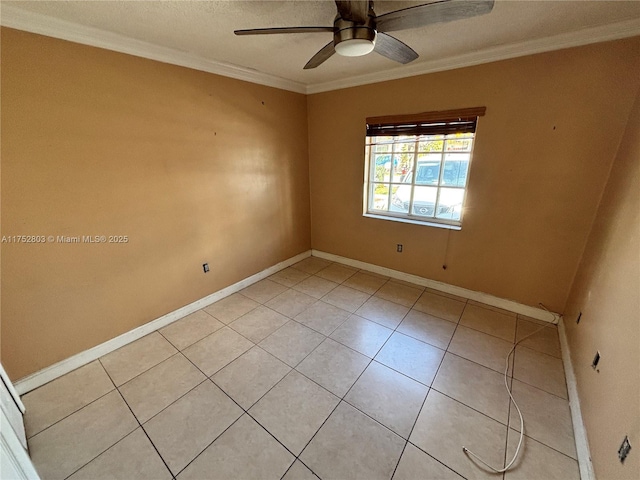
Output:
[[427, 123]]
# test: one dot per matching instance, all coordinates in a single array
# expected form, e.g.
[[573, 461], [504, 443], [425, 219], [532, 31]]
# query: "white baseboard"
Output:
[[579, 430], [56, 370], [509, 305], [52, 372]]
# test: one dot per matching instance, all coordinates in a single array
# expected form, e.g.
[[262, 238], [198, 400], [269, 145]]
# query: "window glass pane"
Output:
[[456, 166], [405, 146], [450, 203], [380, 197], [431, 144], [424, 199], [456, 143], [401, 166], [382, 168], [380, 148], [428, 172], [400, 196]]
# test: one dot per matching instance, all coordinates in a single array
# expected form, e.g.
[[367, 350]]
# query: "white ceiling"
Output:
[[199, 34]]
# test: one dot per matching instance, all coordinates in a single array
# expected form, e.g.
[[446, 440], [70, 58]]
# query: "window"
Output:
[[417, 166]]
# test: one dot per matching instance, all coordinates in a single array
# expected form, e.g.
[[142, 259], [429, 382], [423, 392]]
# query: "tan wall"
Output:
[[540, 164], [607, 292], [193, 167]]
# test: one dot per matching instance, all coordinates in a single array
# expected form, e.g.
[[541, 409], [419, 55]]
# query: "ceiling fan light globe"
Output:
[[355, 47]]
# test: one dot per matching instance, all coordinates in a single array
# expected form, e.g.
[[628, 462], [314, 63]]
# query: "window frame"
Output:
[[443, 123]]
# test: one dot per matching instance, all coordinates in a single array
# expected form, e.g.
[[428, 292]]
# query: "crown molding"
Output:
[[613, 31], [19, 19]]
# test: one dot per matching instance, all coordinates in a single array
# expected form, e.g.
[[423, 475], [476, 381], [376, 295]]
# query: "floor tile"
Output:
[[263, 291], [474, 385], [545, 340], [337, 273], [258, 324], [383, 311], [411, 357], [538, 461], [481, 348], [440, 306], [217, 350], [444, 426], [292, 342], [540, 370], [250, 376], [61, 397], [427, 328], [190, 329], [290, 303], [184, 429], [389, 397], [312, 265], [298, 471], [289, 276], [362, 335], [333, 366], [399, 293], [160, 386], [351, 445], [489, 321], [232, 307], [415, 464], [315, 287], [132, 457], [346, 298], [547, 418], [245, 451], [322, 317], [133, 359], [63, 448], [294, 410], [365, 282]]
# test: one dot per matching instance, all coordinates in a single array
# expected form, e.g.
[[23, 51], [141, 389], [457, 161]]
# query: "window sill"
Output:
[[414, 222]]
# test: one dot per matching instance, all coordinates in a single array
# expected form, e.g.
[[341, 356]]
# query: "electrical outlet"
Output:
[[596, 361], [399, 248], [624, 449], [579, 317], [205, 267]]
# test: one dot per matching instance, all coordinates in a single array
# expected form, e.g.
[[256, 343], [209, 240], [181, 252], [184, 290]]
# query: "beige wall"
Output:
[[540, 164], [607, 292], [193, 167]]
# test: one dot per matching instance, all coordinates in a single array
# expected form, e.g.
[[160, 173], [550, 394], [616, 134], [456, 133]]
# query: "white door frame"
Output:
[[14, 460]]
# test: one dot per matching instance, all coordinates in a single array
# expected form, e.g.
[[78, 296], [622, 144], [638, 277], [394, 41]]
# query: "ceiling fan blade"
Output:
[[437, 12], [270, 31], [320, 57], [354, 10], [394, 49]]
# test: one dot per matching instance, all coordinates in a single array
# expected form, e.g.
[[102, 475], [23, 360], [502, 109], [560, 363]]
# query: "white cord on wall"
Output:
[[513, 400]]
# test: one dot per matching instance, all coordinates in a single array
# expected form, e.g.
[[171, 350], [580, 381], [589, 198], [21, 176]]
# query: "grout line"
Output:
[[439, 461], [139, 425], [67, 416], [80, 408], [103, 452], [213, 441]]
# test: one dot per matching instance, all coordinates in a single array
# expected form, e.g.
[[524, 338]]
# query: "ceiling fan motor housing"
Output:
[[360, 38]]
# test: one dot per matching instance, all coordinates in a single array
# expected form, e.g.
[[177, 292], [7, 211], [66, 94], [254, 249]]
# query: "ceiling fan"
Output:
[[358, 31]]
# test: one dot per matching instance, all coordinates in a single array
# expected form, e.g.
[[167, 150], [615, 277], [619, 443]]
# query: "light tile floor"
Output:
[[319, 371]]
